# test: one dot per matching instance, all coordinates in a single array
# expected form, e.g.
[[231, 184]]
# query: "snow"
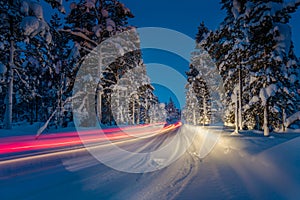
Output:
[[293, 78], [284, 38], [291, 3], [266, 93], [48, 37], [236, 9], [291, 63], [286, 90], [30, 25], [79, 34], [37, 9], [24, 7], [62, 9], [104, 13], [254, 100], [252, 79], [74, 54], [215, 166], [2, 46], [292, 119], [2, 69], [110, 25], [34, 7], [90, 4]]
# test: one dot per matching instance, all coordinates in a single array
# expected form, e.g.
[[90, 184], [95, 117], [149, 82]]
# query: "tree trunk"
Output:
[[194, 116], [118, 108], [60, 104], [257, 122], [99, 93], [138, 114], [36, 117], [9, 99], [133, 113], [283, 119], [240, 100], [152, 117], [236, 123], [99, 106], [146, 112], [266, 121], [204, 111]]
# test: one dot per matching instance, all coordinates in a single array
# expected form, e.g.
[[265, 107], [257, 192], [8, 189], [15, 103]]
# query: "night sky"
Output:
[[185, 17]]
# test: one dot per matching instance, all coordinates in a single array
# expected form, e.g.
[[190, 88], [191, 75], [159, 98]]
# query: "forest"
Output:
[[251, 50]]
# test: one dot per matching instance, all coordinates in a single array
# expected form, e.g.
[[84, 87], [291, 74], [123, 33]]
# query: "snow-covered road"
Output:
[[214, 166]]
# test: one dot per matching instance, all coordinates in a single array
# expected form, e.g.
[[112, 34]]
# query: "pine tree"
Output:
[[253, 45], [201, 82], [173, 113], [120, 94], [191, 111], [60, 51], [200, 103], [25, 30], [88, 24], [271, 71], [228, 47], [157, 113], [202, 33]]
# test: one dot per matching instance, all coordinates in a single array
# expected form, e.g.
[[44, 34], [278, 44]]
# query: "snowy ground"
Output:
[[216, 166]]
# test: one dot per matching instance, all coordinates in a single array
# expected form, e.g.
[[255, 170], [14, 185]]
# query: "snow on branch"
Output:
[[32, 26], [57, 4], [34, 7], [291, 7], [292, 119], [266, 93], [68, 100], [79, 34], [2, 69]]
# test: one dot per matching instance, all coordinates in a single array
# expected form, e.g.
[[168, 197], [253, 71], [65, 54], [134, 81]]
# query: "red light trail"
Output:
[[19, 144]]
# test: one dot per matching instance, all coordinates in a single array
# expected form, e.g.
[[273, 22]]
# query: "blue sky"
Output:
[[182, 16], [185, 17]]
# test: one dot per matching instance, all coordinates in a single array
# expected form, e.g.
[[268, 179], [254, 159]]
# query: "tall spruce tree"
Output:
[[200, 76], [255, 37], [104, 23], [27, 37], [173, 113]]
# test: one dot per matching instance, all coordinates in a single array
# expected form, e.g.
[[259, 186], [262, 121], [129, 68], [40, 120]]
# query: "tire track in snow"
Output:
[[170, 181]]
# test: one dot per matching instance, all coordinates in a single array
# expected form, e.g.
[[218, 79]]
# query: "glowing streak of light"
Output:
[[23, 144], [61, 153]]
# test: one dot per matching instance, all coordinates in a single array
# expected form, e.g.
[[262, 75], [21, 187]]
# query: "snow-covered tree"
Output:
[[273, 74], [88, 24], [198, 97], [202, 33], [173, 113], [202, 87], [122, 96], [131, 97], [25, 39], [61, 62], [228, 47], [191, 112], [158, 113], [253, 45]]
